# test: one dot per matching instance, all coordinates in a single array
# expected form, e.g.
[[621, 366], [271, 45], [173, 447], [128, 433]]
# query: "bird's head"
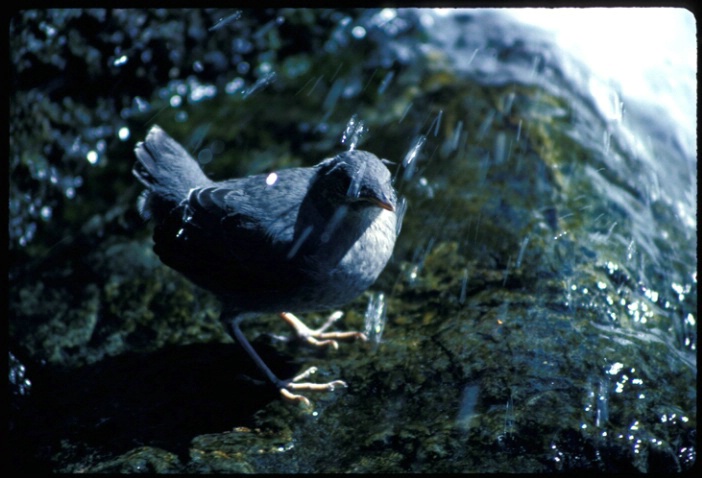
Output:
[[357, 179]]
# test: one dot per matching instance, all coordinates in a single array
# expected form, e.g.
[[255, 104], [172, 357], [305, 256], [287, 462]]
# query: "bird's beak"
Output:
[[382, 203]]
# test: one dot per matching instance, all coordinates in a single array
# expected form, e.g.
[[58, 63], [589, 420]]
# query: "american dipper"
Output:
[[300, 239]]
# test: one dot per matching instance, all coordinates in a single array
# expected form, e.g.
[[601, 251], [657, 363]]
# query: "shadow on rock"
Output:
[[160, 399]]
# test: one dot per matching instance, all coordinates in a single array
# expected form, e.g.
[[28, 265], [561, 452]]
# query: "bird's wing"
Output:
[[233, 234]]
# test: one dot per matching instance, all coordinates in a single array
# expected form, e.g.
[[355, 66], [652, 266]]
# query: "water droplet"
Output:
[[92, 157], [334, 222], [355, 186], [358, 32], [46, 213], [487, 122], [263, 81], [456, 136], [176, 101], [404, 113], [522, 248], [469, 400], [200, 92], [204, 156], [122, 60], [387, 14], [233, 86], [299, 241], [615, 368], [400, 214], [141, 104], [408, 161], [500, 148], [386, 81], [243, 67], [49, 30], [519, 130], [123, 133], [226, 21], [437, 122], [464, 286]]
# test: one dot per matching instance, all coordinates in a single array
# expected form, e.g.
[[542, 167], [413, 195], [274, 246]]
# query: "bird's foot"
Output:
[[288, 388], [292, 384], [318, 337]]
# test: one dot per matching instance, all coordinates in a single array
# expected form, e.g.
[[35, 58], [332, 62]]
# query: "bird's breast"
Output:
[[362, 262]]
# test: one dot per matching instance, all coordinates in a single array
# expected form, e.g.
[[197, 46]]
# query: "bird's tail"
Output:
[[167, 171]]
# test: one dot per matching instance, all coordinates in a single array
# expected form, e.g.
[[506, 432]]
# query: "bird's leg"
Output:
[[318, 337], [284, 386]]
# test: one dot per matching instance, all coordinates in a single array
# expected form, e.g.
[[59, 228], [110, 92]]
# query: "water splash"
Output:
[[375, 318], [355, 129], [409, 161], [400, 214], [19, 383]]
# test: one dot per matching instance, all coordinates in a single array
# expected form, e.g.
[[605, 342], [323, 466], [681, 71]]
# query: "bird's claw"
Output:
[[315, 387], [318, 337], [294, 398]]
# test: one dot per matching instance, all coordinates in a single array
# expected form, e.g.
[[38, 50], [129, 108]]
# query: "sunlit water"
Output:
[[640, 69], [629, 76], [637, 66], [645, 57]]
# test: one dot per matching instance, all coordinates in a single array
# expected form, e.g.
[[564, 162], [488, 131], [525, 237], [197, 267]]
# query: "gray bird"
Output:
[[302, 239]]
